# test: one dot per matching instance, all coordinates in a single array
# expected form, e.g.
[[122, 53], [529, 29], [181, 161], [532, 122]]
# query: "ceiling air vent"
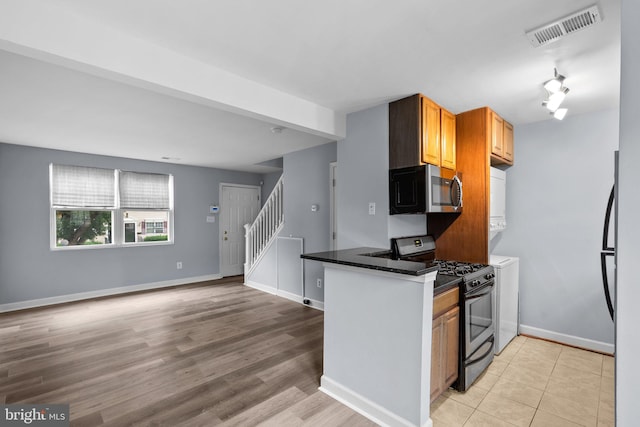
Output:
[[562, 27]]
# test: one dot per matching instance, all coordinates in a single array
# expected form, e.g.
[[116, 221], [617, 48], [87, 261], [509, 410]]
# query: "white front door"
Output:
[[239, 205]]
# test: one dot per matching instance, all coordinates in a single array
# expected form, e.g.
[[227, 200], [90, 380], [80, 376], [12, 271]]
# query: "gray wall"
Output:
[[265, 272], [363, 177], [628, 314], [269, 181], [306, 182], [29, 269], [556, 199]]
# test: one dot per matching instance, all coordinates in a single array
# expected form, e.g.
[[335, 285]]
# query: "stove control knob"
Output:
[[490, 276], [475, 283]]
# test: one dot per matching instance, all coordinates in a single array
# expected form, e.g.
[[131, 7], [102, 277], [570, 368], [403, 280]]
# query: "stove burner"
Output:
[[459, 269]]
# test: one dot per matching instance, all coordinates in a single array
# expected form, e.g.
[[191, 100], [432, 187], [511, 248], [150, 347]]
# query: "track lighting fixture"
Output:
[[556, 92], [555, 84], [560, 113]]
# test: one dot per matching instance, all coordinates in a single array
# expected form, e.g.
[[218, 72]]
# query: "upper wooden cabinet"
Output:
[[420, 131], [447, 139], [501, 141], [480, 134], [430, 131], [508, 142], [497, 134]]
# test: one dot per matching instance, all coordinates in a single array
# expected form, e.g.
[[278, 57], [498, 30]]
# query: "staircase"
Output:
[[264, 230]]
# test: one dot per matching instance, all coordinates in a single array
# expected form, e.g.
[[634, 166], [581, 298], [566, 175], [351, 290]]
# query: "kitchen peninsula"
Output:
[[377, 334]]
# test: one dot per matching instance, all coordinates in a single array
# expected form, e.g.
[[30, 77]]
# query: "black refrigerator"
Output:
[[608, 257]]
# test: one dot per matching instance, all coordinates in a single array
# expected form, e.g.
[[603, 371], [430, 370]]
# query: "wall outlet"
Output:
[[179, 265], [372, 208], [319, 282]]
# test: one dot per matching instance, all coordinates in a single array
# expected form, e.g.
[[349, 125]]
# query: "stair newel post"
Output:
[[247, 246]]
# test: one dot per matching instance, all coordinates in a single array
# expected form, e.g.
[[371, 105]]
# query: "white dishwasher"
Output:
[[505, 307]]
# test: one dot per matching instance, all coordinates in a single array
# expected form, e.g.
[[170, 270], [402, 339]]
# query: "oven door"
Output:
[[478, 317]]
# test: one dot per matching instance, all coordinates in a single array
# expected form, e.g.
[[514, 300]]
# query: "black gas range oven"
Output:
[[476, 283]]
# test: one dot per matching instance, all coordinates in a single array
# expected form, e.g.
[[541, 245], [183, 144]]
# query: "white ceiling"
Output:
[[104, 88]]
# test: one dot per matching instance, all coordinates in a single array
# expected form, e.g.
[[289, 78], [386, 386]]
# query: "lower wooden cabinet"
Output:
[[444, 342]]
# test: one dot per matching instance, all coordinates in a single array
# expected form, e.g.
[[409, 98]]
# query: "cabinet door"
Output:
[[448, 139], [497, 134], [430, 149], [451, 328], [437, 367], [508, 142]]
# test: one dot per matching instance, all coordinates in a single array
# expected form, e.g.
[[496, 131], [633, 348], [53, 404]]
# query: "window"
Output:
[[146, 226], [105, 207], [145, 200], [154, 227], [75, 228], [82, 201]]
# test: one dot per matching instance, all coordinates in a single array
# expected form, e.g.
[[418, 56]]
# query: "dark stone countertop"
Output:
[[373, 259], [380, 259]]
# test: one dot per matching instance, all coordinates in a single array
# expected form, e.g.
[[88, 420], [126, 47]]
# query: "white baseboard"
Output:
[[41, 302], [261, 287], [318, 305], [289, 295], [364, 406], [585, 343]]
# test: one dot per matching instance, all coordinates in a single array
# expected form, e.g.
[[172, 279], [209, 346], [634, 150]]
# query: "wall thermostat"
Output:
[[213, 209]]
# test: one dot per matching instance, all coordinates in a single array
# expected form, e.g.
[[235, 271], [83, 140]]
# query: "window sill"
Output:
[[110, 246]]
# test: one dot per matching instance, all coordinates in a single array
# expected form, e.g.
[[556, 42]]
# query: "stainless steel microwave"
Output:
[[424, 189]]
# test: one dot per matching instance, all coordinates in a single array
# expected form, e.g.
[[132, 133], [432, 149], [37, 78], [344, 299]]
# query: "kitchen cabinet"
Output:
[[497, 134], [508, 142], [447, 139], [430, 130], [444, 342], [501, 141], [479, 133], [421, 132]]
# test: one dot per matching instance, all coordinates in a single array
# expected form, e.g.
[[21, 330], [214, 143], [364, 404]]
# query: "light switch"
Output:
[[372, 208], [211, 218]]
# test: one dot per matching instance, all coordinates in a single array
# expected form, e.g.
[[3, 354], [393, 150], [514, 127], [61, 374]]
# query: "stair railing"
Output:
[[265, 228]]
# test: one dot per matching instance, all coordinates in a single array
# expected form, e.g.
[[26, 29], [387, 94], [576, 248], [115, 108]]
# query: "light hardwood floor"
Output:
[[215, 353], [220, 353]]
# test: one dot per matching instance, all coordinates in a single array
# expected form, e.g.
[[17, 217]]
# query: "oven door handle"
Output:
[[486, 289], [485, 354]]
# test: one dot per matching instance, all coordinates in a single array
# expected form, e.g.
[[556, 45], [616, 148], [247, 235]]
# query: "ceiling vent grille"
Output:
[[556, 30]]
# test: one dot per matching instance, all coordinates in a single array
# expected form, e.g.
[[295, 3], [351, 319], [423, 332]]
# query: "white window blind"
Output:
[[82, 187], [144, 191]]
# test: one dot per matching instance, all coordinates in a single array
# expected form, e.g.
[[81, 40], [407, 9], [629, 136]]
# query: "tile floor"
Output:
[[534, 383]]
